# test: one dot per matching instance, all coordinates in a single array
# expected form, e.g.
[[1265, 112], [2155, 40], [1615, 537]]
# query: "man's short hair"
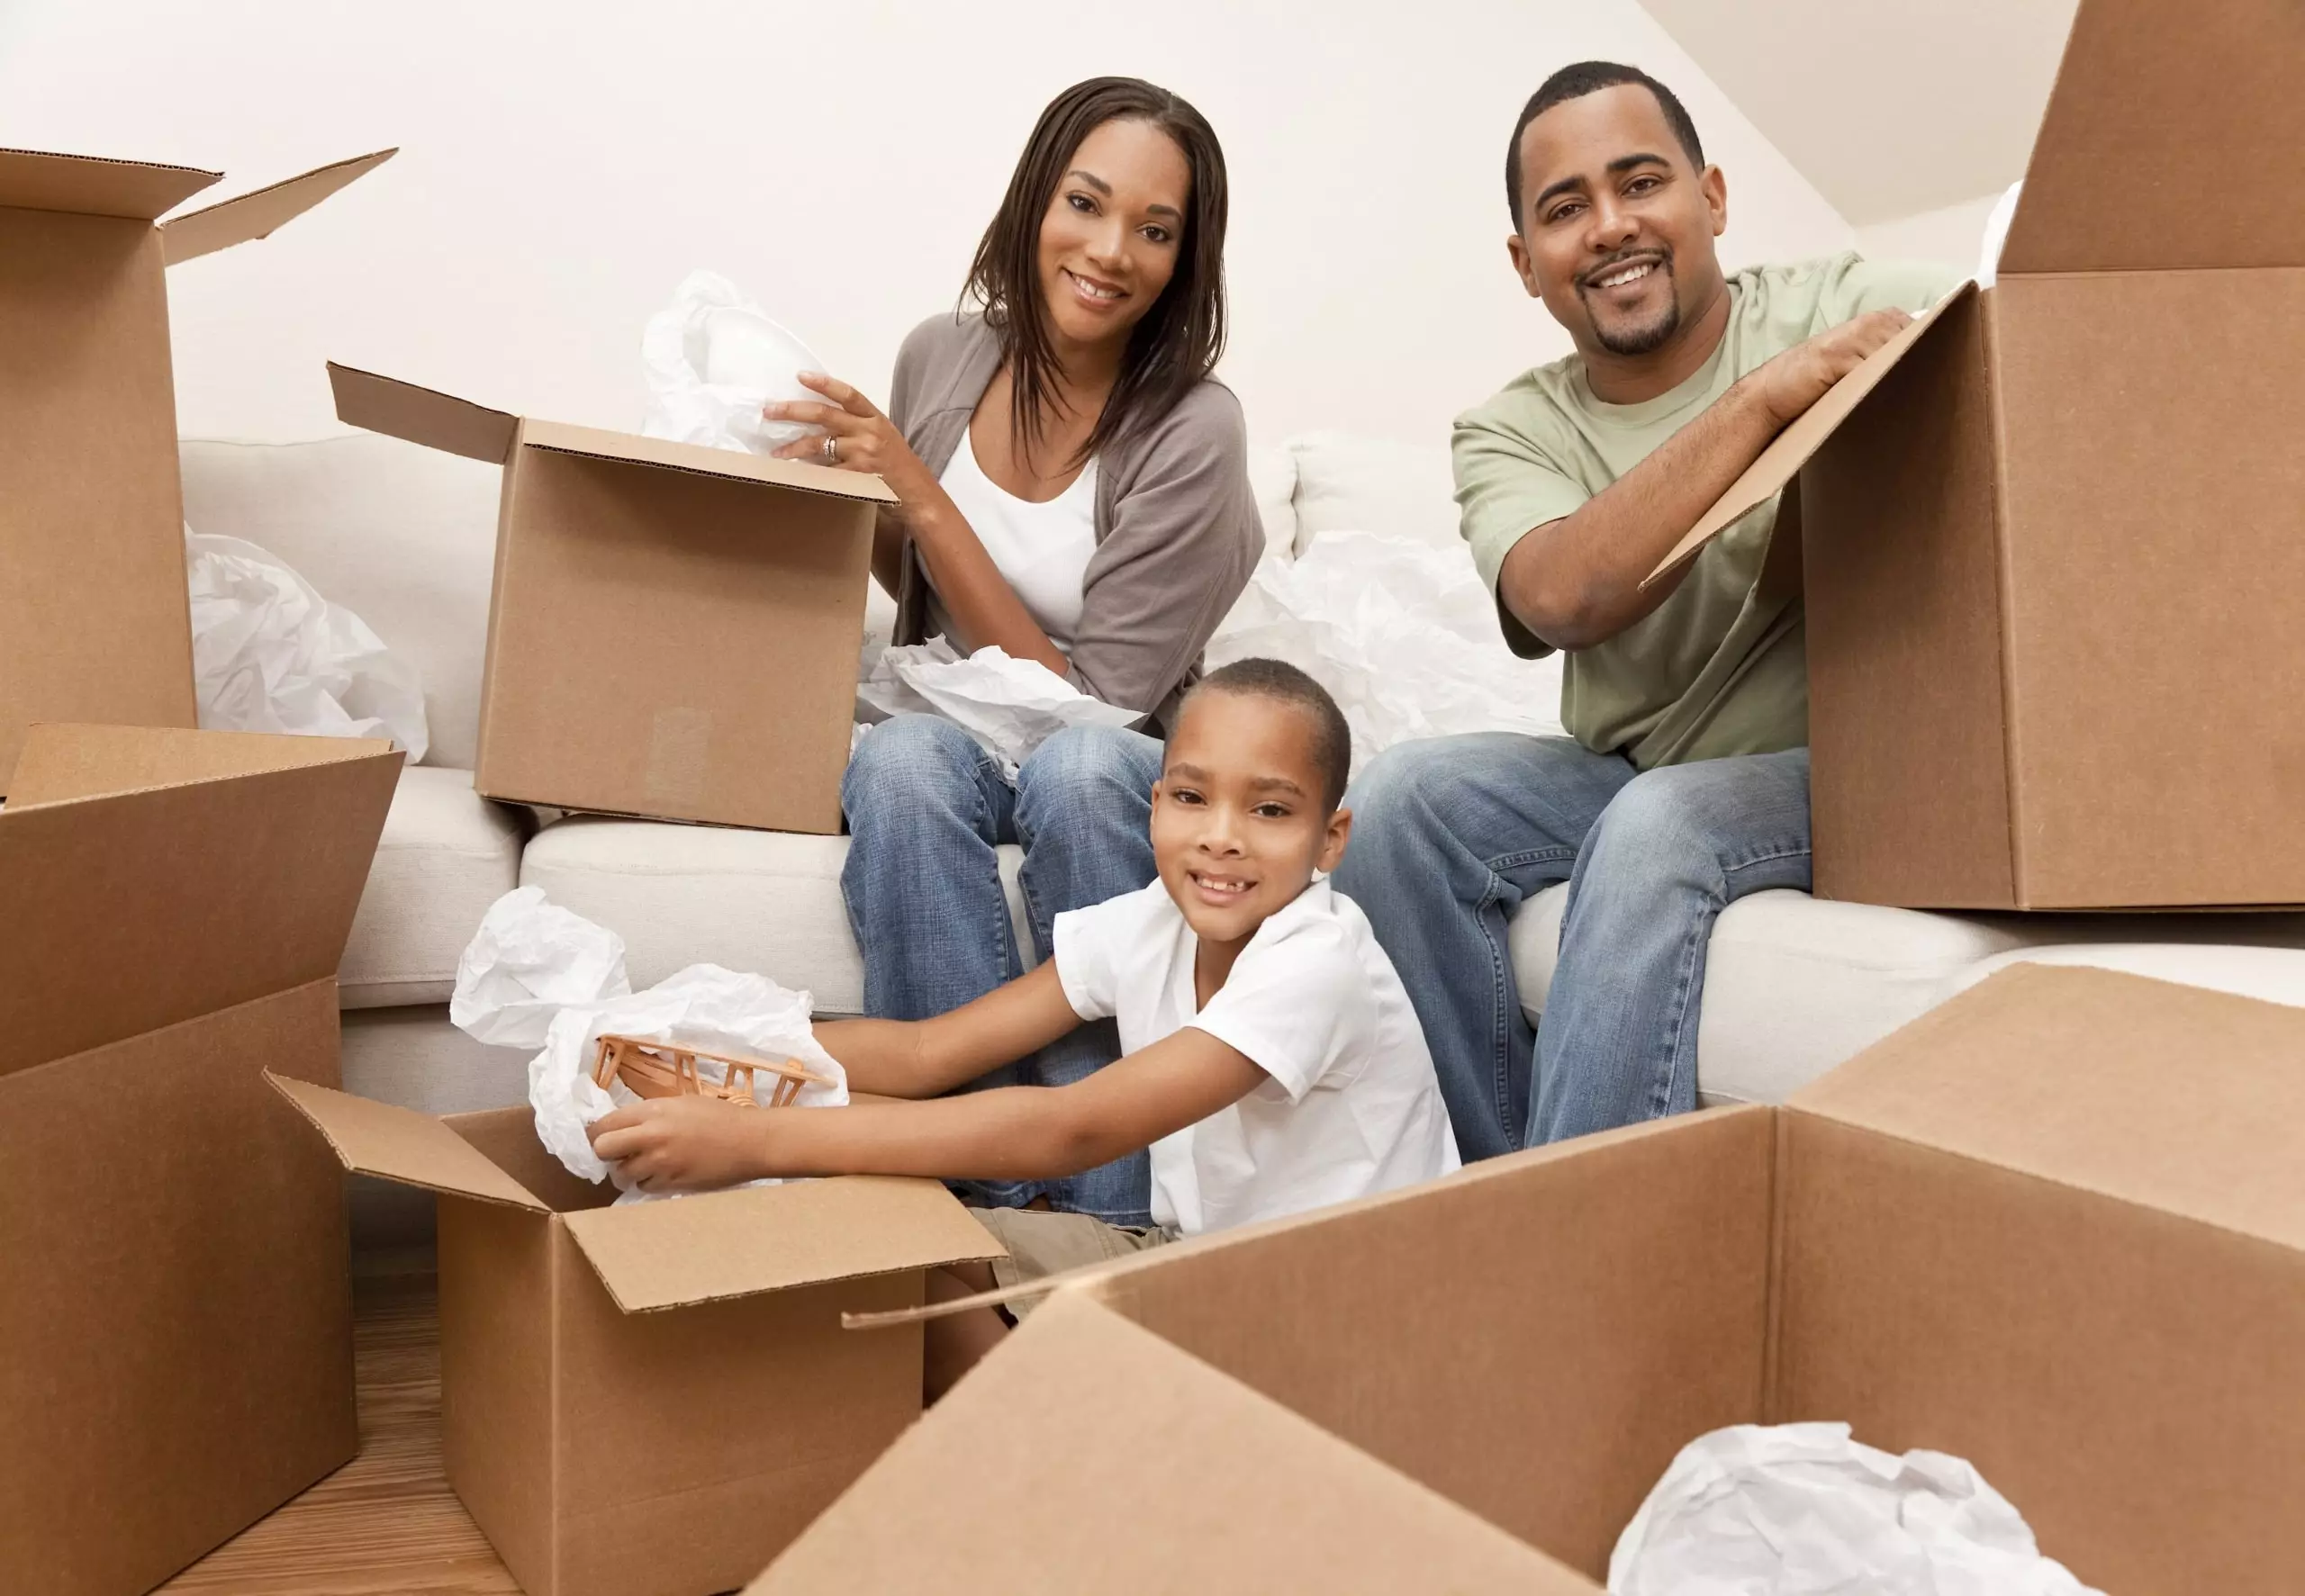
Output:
[[1576, 81], [1284, 683]]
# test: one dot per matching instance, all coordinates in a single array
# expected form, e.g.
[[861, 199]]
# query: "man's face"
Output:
[[1616, 225]]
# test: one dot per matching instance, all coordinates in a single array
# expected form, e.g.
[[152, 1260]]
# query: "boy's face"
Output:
[[1240, 820]]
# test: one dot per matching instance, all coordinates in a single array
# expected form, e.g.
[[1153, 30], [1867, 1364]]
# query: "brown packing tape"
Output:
[[256, 215], [92, 186], [1775, 465]]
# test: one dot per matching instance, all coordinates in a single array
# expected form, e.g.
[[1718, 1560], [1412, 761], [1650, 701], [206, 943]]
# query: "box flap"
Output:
[[2183, 1100], [60, 763], [421, 415], [90, 186], [2175, 138], [255, 215], [399, 1144], [1776, 465], [1226, 1490], [131, 910], [739, 1243], [563, 437]]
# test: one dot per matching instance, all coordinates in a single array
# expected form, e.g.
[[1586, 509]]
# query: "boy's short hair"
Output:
[[1284, 683]]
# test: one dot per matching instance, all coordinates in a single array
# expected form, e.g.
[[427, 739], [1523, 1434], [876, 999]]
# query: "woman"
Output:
[[1073, 488]]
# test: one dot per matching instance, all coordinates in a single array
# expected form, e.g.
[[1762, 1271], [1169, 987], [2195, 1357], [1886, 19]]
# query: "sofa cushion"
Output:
[[763, 901], [445, 854], [403, 536], [1795, 985], [1272, 477], [1349, 483]]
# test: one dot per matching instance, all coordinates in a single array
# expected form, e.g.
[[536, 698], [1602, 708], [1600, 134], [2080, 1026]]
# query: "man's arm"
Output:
[[1013, 1134], [1577, 582]]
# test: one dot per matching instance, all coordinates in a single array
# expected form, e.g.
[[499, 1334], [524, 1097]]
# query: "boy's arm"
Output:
[[925, 1058], [1012, 1133]]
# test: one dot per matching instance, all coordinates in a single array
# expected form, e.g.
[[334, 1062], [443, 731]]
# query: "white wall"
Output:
[[565, 164], [1952, 235]]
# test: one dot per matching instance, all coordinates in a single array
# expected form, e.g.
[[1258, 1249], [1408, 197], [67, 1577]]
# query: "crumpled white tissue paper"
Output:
[[270, 654], [1996, 234], [712, 359], [537, 975], [1009, 706], [1803, 1510], [1402, 634]]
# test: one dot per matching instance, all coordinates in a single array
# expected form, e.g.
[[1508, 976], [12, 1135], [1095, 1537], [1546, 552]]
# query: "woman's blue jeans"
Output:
[[926, 808]]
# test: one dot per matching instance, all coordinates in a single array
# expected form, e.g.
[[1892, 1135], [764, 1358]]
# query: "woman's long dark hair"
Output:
[[1178, 342]]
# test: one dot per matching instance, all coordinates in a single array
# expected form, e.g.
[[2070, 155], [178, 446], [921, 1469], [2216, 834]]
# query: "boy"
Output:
[[1271, 1059]]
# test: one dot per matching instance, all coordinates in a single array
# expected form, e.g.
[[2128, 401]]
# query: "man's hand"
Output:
[[685, 1144], [1795, 380]]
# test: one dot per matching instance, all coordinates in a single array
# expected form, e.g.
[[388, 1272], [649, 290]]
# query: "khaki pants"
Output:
[[1044, 1244]]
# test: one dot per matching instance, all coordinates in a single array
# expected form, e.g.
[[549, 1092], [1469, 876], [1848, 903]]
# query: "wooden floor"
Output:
[[385, 1524]]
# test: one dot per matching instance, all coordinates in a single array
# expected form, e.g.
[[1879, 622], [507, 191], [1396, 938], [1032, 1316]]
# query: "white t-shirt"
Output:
[[1042, 550], [1351, 1106]]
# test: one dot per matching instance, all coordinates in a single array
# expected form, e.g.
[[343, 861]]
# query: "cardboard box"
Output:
[[653, 1398], [674, 630], [93, 622], [2053, 537], [2057, 1227], [176, 1329]]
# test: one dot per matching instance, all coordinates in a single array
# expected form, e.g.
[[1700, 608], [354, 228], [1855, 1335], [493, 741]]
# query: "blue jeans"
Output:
[[926, 806], [1449, 835]]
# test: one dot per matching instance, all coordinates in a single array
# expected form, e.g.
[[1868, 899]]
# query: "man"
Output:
[[1687, 783]]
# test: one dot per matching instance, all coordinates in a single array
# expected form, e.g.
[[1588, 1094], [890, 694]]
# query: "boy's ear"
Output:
[[1339, 833]]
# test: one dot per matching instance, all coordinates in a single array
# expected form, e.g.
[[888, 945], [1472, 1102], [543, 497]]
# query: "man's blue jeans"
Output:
[[926, 808], [1451, 834]]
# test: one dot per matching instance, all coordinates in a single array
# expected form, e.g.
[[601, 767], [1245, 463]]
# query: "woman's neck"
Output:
[[1085, 374]]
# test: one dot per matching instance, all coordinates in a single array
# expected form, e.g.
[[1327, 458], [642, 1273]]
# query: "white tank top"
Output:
[[1042, 550]]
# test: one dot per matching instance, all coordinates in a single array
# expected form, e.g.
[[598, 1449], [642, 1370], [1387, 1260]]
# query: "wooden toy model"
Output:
[[667, 1069]]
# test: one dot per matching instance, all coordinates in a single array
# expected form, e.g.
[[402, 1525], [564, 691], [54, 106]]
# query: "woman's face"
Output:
[[1110, 240]]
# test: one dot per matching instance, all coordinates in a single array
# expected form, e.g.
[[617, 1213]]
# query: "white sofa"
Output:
[[405, 536]]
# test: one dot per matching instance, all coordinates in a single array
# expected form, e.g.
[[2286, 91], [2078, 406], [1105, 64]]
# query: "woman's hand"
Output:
[[861, 438], [685, 1144]]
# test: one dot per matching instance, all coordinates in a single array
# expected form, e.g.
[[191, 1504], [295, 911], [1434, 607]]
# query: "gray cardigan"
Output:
[[1177, 527]]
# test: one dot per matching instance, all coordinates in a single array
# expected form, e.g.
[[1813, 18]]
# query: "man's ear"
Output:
[[1339, 833], [1716, 197], [1521, 266]]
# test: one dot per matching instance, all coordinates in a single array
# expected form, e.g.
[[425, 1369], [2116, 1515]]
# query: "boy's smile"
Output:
[[1241, 818]]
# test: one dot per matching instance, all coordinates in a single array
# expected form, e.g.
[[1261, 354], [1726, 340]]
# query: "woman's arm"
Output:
[[1012, 1133], [924, 1057], [980, 599]]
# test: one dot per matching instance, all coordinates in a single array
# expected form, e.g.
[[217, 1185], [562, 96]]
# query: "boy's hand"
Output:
[[685, 1144]]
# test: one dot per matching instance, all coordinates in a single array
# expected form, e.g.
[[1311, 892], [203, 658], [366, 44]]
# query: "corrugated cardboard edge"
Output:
[[420, 415], [718, 1246], [65, 762], [402, 1145], [96, 184], [1776, 465], [258, 214], [563, 437], [1230, 1491]]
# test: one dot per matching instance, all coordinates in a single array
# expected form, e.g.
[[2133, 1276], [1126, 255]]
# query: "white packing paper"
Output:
[[537, 975], [270, 654], [712, 359], [1009, 706], [1803, 1510], [1996, 234], [1402, 634]]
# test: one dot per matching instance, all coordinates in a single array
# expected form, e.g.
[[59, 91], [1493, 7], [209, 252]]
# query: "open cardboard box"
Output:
[[2057, 1227], [175, 1323], [654, 1396], [93, 621], [673, 630], [2054, 534]]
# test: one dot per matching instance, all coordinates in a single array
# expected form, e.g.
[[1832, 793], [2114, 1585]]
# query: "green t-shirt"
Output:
[[1718, 668]]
